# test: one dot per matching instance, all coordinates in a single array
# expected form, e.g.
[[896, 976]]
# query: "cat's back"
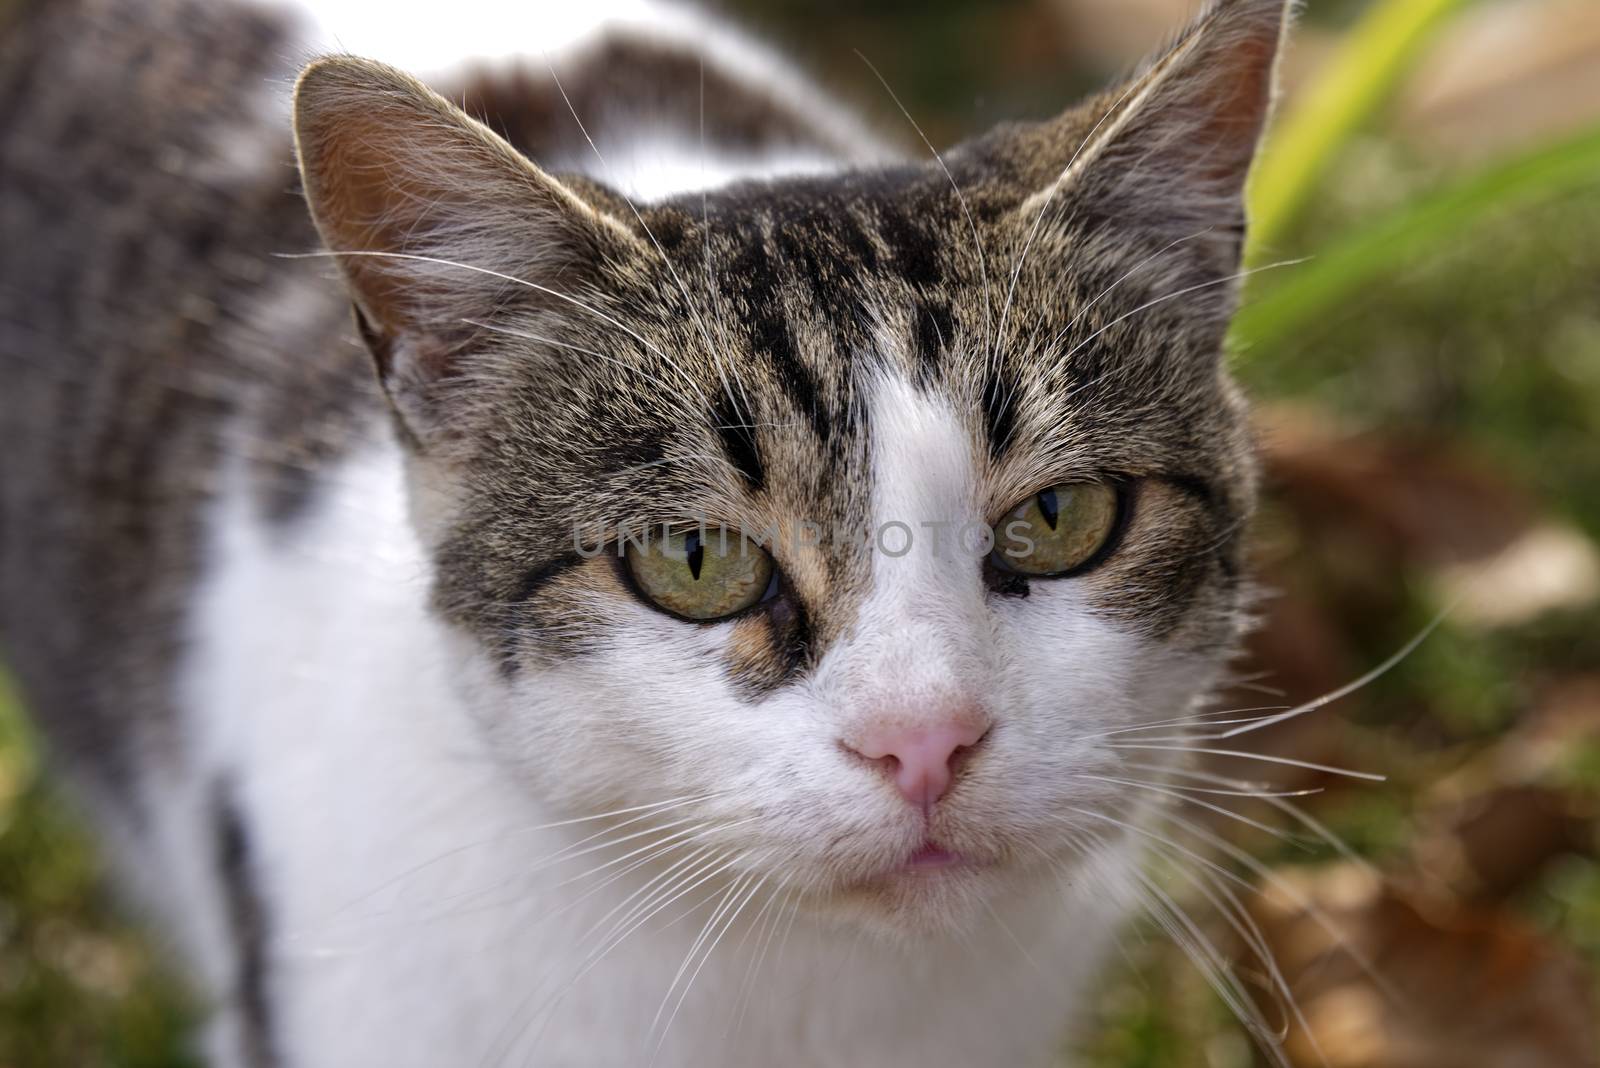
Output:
[[143, 191]]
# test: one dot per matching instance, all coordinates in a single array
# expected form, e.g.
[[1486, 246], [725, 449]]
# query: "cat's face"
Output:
[[865, 375]]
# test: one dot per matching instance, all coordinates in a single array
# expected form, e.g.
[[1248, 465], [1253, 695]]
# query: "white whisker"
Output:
[[1348, 688], [1178, 794], [654, 901], [639, 812], [1244, 755], [1147, 305], [1208, 718], [731, 910], [1318, 915], [1276, 799]]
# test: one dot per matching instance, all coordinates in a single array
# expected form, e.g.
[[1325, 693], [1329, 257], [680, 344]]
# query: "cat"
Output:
[[665, 582]]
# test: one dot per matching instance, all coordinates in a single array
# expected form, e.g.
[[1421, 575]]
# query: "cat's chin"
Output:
[[918, 899]]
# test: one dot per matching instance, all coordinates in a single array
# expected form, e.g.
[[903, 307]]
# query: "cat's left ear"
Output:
[[438, 225], [1168, 152]]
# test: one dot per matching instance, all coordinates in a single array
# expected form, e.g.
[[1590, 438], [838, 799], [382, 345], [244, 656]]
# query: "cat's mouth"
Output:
[[927, 863], [928, 887]]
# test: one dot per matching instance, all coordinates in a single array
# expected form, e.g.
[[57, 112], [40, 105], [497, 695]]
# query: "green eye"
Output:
[[701, 574], [1056, 531]]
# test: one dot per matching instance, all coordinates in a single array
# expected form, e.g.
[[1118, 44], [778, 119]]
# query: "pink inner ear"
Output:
[[1208, 112], [427, 196], [1236, 101]]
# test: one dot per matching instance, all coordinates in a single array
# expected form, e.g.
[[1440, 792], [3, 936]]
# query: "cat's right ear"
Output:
[[437, 223]]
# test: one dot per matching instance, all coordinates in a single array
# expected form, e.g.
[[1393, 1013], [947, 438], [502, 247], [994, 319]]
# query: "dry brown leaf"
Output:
[[1491, 826], [1416, 500], [1458, 987]]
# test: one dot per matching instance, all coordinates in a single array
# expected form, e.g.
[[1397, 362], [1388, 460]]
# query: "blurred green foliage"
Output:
[[1493, 339], [1421, 230], [1352, 87], [79, 986]]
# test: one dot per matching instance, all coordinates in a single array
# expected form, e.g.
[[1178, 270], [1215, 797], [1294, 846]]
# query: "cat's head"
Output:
[[861, 374]]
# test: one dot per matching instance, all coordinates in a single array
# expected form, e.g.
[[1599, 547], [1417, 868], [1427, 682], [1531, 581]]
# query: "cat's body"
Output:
[[343, 694]]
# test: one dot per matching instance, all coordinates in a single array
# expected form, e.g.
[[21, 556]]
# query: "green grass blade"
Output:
[[1356, 82], [1413, 233]]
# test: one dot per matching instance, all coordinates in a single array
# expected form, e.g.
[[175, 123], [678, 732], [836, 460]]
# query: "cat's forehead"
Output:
[[1055, 336], [734, 372]]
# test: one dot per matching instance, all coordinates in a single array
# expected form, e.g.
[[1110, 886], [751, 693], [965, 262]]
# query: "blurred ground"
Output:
[[78, 987], [1433, 442]]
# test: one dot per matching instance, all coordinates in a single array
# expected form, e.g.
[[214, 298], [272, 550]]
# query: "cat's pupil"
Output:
[[695, 553], [1049, 508]]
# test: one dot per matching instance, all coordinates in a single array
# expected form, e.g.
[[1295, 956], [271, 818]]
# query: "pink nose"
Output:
[[922, 759]]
